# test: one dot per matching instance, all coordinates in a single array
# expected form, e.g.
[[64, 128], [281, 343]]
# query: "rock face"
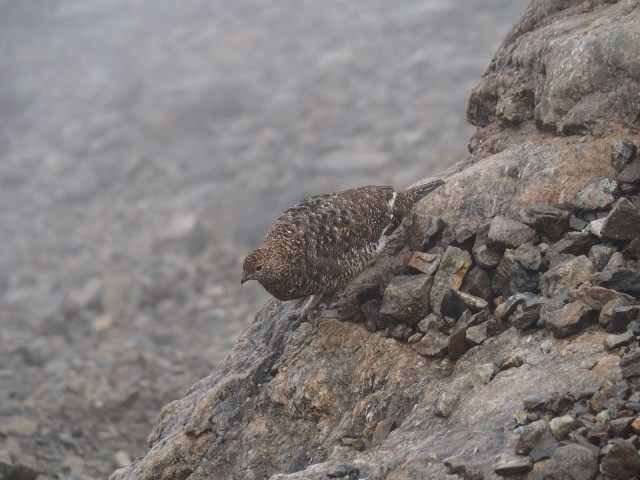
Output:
[[375, 391]]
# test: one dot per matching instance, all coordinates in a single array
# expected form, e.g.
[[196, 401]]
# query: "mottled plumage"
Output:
[[319, 244]]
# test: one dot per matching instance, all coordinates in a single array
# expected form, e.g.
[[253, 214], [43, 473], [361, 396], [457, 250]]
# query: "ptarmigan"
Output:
[[319, 244]]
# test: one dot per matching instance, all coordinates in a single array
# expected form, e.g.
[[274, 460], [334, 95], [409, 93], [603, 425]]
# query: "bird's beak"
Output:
[[245, 277]]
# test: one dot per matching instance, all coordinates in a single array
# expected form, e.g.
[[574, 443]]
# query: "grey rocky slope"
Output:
[[519, 355]]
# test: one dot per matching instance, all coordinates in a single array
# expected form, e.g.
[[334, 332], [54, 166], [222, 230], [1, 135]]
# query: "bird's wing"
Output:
[[334, 224]]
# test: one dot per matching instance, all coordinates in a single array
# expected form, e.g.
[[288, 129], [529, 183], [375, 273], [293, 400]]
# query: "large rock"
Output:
[[622, 461], [565, 276], [623, 222], [570, 462], [406, 298], [549, 220], [623, 151], [597, 195], [626, 280], [631, 174], [555, 83], [598, 297], [537, 441], [508, 233], [571, 319]]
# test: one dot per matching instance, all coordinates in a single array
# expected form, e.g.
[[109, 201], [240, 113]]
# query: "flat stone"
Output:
[[574, 243], [536, 440], [623, 221], [626, 280], [561, 426], [577, 224], [571, 319], [631, 173], [552, 221], [597, 195], [506, 233], [623, 151], [476, 334], [572, 461], [445, 404], [421, 262], [433, 344], [630, 364], [566, 275], [406, 298], [612, 342], [471, 302], [535, 401], [516, 466], [619, 317], [486, 257], [482, 374], [600, 255], [597, 297], [454, 265], [621, 461]]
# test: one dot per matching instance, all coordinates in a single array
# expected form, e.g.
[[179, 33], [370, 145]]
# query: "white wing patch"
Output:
[[381, 243], [392, 201]]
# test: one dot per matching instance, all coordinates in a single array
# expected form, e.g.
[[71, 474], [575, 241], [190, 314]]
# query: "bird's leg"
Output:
[[307, 310]]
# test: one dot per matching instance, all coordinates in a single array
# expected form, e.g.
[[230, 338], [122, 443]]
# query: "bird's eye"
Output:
[[258, 268]]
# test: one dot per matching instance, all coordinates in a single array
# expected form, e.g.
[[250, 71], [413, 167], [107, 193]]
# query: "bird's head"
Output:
[[256, 266]]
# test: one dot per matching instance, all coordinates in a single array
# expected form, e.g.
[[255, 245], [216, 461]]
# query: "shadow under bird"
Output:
[[322, 242]]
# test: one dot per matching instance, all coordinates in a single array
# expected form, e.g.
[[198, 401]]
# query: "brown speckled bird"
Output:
[[319, 244]]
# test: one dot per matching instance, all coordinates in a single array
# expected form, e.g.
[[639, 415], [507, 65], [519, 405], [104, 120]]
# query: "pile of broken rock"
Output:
[[565, 268]]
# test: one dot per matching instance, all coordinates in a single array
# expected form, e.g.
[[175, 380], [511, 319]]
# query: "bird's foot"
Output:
[[307, 314], [300, 319]]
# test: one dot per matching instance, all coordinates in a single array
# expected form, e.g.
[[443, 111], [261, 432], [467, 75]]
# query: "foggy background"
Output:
[[147, 145]]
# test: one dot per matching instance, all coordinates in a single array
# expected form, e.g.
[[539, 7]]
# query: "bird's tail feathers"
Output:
[[421, 191]]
